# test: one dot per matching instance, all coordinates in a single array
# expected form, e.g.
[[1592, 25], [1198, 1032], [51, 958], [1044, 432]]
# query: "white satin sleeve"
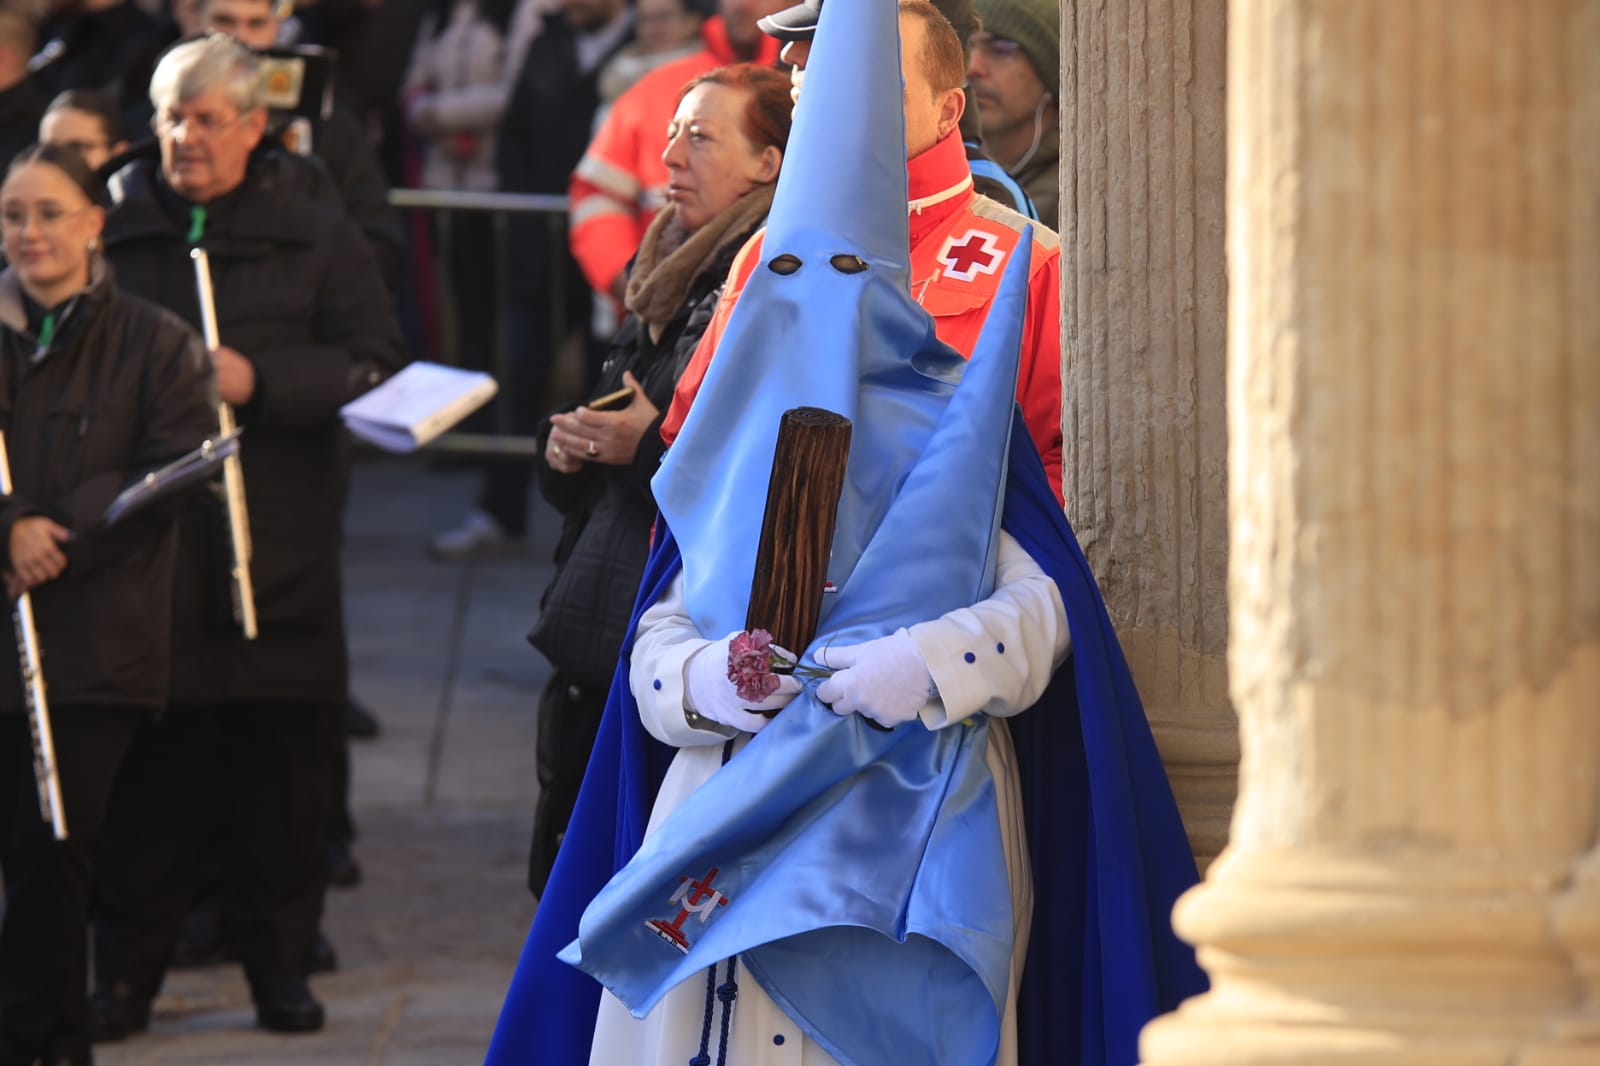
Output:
[[665, 639], [996, 656]]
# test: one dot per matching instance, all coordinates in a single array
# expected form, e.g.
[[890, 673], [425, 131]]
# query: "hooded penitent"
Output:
[[852, 860]]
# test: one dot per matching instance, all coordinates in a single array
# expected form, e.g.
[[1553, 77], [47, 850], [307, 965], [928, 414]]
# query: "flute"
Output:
[[45, 772], [244, 596]]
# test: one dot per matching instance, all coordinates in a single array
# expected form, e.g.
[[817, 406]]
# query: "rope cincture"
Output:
[[726, 992], [704, 1058]]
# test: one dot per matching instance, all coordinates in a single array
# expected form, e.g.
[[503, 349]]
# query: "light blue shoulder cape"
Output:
[[1108, 852]]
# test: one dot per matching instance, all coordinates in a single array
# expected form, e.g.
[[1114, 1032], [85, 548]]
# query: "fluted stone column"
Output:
[[1414, 420], [1144, 343]]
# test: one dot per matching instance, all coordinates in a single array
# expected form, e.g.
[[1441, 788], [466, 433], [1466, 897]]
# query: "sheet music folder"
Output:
[[197, 465], [417, 404]]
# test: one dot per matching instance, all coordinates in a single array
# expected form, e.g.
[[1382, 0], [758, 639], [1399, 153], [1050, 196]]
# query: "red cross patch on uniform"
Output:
[[694, 896], [974, 252]]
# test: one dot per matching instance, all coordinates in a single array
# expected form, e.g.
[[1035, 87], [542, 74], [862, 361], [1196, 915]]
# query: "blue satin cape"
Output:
[[1108, 852]]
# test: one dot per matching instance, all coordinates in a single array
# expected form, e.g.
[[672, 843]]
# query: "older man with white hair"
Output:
[[305, 325]]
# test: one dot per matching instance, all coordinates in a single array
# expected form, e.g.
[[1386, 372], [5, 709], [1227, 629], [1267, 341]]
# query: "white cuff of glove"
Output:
[[884, 679], [709, 693]]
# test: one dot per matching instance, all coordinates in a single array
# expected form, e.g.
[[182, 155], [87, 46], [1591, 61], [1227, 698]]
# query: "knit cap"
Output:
[[1033, 24]]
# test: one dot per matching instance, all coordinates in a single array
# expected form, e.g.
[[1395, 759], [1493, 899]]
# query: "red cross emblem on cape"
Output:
[[695, 897], [974, 252]]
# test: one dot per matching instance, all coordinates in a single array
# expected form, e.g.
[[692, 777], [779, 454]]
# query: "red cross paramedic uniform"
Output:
[[960, 243]]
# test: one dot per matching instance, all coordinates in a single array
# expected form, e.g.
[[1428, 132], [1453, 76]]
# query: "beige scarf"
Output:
[[670, 258]]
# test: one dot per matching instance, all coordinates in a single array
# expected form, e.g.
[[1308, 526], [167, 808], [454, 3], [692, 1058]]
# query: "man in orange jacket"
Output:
[[621, 182], [960, 242]]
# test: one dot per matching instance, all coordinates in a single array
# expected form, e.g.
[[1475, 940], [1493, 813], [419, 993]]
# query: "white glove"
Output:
[[709, 692], [885, 679]]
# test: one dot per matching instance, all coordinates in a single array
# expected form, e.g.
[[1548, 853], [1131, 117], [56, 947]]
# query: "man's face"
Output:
[[206, 144], [924, 107], [929, 115], [250, 22], [1004, 84], [586, 15]]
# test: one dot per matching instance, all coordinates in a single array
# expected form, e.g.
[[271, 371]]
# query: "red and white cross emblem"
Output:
[[694, 896], [974, 252]]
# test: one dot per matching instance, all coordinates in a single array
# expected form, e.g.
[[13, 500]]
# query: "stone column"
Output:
[[1414, 421], [1144, 313]]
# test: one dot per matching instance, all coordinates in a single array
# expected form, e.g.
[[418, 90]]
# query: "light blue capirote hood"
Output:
[[817, 337], [852, 860]]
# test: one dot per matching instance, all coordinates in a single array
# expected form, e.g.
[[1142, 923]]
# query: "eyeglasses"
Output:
[[165, 125], [50, 217], [995, 49]]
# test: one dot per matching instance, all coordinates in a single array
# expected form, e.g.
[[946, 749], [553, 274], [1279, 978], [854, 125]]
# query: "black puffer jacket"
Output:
[[123, 388], [609, 510], [298, 294]]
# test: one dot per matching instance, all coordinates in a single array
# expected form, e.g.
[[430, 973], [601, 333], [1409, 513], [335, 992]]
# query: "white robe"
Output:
[[1024, 613]]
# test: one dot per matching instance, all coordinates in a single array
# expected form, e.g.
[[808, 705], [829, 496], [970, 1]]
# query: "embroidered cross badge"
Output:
[[695, 897], [971, 254]]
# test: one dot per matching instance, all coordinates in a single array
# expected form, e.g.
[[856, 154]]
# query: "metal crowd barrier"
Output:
[[443, 205]]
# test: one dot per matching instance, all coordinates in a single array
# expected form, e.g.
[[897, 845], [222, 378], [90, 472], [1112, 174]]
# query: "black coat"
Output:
[[342, 148], [549, 117], [543, 133], [343, 169], [123, 388], [608, 510], [111, 51], [21, 107], [298, 294]]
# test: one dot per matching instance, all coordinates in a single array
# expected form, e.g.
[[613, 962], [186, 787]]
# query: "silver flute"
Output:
[[244, 595], [45, 772]]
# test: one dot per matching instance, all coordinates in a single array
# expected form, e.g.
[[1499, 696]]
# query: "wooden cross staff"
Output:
[[797, 527]]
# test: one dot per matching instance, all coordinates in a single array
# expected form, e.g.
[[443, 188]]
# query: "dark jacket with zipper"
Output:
[[608, 510], [122, 388], [298, 294]]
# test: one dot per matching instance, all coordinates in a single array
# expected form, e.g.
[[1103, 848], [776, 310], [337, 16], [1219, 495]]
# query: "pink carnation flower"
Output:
[[750, 662]]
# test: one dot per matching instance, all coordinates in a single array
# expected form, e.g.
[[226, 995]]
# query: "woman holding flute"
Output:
[[97, 388]]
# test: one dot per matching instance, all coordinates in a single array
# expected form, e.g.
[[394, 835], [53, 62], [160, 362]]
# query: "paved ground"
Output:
[[443, 801]]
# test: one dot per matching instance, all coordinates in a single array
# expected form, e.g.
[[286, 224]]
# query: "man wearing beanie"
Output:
[[1013, 74]]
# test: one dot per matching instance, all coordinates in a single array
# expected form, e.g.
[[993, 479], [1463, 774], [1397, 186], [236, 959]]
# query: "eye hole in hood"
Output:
[[785, 264], [848, 264]]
